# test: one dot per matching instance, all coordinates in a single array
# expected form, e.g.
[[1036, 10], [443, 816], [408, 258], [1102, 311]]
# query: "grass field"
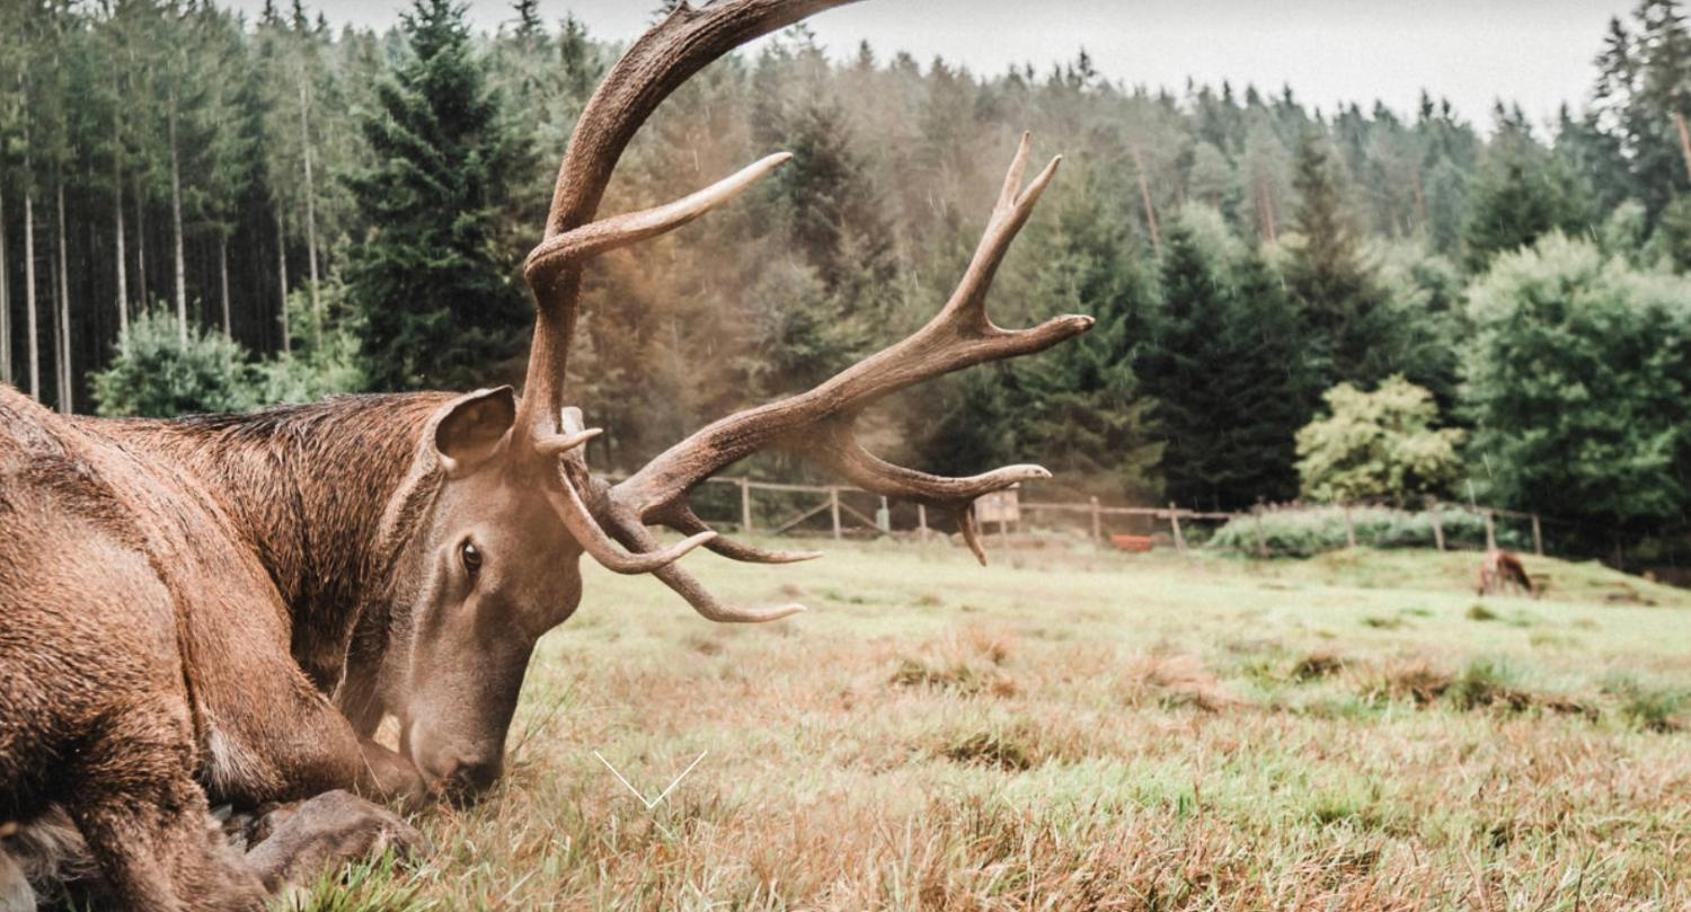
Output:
[[1091, 731]]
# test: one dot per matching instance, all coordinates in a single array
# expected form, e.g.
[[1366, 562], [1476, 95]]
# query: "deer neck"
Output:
[[306, 487]]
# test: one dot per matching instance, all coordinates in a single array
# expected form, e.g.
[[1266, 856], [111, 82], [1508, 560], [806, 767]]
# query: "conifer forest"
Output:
[[204, 211]]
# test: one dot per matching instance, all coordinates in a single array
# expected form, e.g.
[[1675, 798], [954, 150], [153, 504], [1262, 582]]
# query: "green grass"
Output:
[[1071, 730]]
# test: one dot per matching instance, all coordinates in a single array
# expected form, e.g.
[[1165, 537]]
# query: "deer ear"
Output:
[[473, 428]]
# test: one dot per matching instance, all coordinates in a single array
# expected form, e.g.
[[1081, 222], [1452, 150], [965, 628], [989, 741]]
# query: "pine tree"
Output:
[[1086, 414], [435, 290], [1335, 287], [1227, 368], [529, 27], [1522, 193]]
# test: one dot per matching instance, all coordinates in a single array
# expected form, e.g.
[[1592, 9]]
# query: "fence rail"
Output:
[[842, 514]]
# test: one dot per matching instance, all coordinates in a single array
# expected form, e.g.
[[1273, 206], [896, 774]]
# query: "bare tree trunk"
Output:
[[122, 257], [223, 281], [141, 239], [117, 216], [282, 282], [310, 204], [176, 227], [1145, 197], [1684, 140], [5, 300], [1267, 198], [63, 320], [1420, 197], [32, 323]]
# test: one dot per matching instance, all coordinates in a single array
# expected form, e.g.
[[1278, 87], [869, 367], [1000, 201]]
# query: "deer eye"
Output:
[[471, 556]]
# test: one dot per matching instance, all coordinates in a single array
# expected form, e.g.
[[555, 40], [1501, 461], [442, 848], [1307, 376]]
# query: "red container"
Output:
[[1136, 543]]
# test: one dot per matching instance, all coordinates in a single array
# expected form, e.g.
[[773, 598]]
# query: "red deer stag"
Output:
[[184, 598]]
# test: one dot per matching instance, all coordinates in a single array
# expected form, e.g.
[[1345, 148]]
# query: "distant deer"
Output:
[[226, 608], [1501, 572]]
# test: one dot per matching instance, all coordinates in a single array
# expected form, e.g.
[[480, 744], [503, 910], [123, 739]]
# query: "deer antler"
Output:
[[662, 59], [818, 424], [654, 66]]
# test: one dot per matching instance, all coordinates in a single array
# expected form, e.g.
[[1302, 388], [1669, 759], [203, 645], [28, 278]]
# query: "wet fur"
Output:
[[177, 604]]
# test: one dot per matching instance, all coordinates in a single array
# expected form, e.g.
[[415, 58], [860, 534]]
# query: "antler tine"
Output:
[[658, 62], [629, 530], [682, 519], [579, 518], [585, 528], [959, 336], [1014, 206], [594, 238], [840, 450]]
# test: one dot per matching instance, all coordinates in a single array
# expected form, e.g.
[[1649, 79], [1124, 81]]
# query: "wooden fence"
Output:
[[1095, 515]]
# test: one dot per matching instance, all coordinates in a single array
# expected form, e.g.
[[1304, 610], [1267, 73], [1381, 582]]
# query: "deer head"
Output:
[[500, 504]]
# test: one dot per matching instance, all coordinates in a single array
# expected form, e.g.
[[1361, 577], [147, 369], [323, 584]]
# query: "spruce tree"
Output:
[[1522, 193], [431, 280], [1227, 368], [1336, 288]]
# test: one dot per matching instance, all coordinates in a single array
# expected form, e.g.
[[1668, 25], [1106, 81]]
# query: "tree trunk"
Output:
[[1145, 197], [223, 281], [1267, 198], [282, 281], [5, 300], [176, 228], [122, 256], [32, 321], [141, 240], [63, 319], [310, 204], [1684, 140]]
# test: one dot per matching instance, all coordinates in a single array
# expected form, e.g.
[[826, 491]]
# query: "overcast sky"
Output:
[[1537, 52]]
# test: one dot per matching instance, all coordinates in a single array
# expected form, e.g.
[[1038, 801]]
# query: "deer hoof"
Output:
[[325, 832]]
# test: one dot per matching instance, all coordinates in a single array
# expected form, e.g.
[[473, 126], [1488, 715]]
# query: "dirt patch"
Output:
[[1174, 681], [1317, 665], [1000, 750]]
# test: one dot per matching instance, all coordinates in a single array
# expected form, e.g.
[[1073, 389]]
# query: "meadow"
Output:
[[1078, 730]]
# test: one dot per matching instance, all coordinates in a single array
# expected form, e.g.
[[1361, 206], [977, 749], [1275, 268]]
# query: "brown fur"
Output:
[[183, 599], [164, 592], [1502, 571]]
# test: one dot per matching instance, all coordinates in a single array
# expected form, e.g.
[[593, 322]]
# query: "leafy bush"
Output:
[[157, 374], [1577, 373], [324, 360], [1377, 446], [1307, 531]]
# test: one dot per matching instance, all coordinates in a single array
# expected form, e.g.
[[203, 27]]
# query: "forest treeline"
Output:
[[201, 211]]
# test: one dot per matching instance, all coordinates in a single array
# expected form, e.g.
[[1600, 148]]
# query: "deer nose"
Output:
[[469, 776]]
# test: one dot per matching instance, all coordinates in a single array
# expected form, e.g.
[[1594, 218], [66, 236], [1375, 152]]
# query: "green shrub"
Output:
[[1307, 531], [158, 374]]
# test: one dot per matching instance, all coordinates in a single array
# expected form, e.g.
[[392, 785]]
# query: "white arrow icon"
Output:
[[653, 802]]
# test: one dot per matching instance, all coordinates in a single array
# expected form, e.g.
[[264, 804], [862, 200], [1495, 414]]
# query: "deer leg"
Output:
[[149, 828], [295, 842]]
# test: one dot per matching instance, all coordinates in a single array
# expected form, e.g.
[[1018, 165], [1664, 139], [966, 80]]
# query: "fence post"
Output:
[[1174, 520], [1537, 537], [1097, 523], [745, 505], [1490, 532], [1262, 546], [1438, 526], [922, 520], [1350, 529], [834, 508]]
